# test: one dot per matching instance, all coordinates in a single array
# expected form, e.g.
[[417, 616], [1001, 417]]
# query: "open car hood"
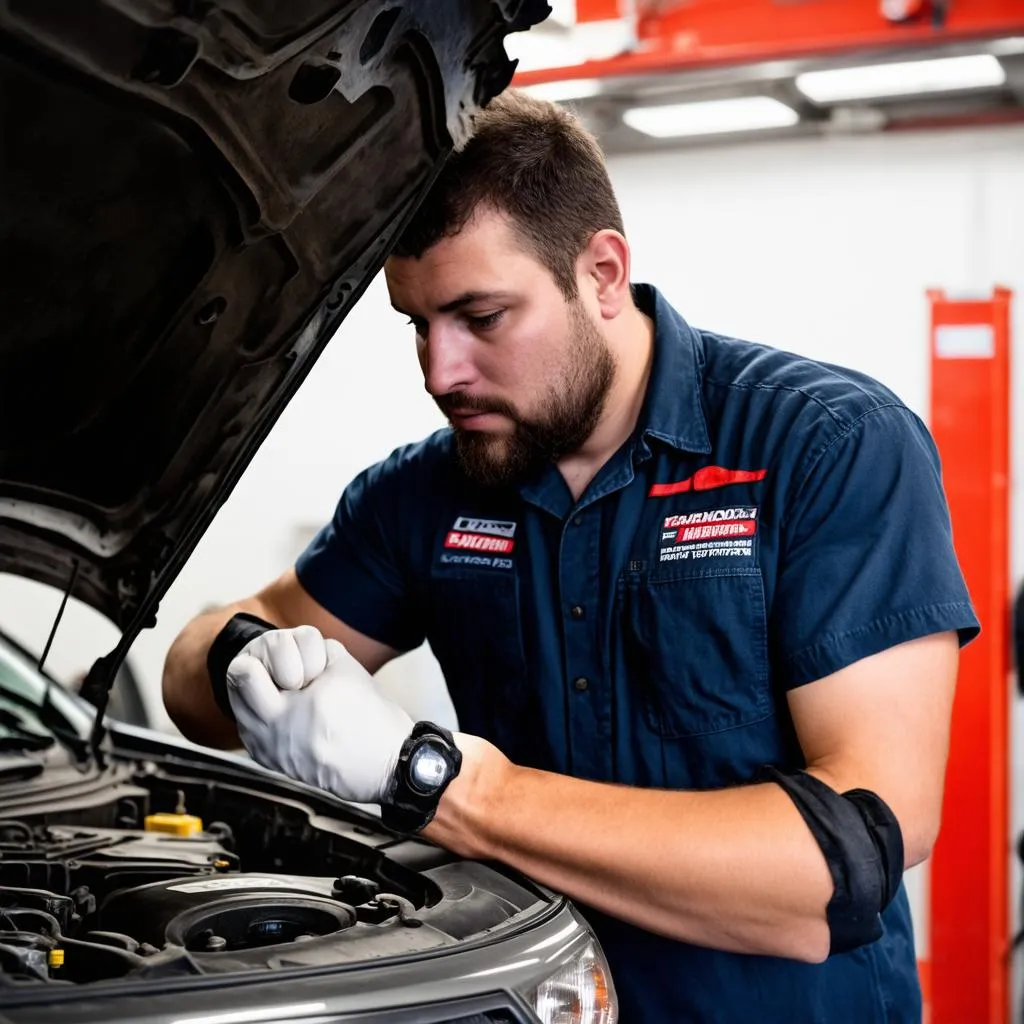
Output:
[[195, 193]]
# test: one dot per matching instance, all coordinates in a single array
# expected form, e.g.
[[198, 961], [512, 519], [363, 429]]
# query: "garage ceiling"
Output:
[[646, 75]]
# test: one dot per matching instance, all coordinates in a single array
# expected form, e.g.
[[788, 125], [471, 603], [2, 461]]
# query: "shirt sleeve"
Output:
[[355, 566], [867, 559]]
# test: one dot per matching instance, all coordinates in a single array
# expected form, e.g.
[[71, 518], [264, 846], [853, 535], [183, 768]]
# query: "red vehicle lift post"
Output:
[[969, 969]]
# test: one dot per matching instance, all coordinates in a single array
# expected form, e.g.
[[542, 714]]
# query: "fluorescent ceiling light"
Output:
[[710, 118], [568, 89], [1009, 46], [942, 75]]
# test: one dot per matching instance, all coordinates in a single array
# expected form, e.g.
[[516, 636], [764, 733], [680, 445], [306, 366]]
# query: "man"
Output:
[[664, 573]]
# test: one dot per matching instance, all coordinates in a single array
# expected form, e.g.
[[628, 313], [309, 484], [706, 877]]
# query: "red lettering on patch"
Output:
[[708, 479], [715, 531], [478, 542]]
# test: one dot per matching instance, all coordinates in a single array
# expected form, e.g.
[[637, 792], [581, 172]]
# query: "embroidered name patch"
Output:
[[480, 542], [714, 533]]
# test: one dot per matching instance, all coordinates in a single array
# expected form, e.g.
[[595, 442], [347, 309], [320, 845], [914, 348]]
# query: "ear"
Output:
[[603, 272]]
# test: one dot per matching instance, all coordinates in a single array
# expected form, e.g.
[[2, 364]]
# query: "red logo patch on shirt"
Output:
[[479, 542], [708, 479], [712, 533]]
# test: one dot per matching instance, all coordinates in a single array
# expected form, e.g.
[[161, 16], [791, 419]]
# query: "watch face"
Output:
[[428, 768]]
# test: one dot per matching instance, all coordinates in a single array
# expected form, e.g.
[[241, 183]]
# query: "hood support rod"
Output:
[[56, 621]]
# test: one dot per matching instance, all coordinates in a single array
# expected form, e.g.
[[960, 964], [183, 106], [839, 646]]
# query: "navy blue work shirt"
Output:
[[771, 520]]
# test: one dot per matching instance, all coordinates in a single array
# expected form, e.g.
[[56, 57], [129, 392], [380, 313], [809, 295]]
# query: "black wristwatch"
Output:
[[427, 763]]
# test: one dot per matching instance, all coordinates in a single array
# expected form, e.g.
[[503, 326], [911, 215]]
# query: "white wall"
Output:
[[821, 246]]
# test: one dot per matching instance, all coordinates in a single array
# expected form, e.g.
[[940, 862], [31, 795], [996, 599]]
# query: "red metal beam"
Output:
[[970, 869], [599, 10], [707, 33]]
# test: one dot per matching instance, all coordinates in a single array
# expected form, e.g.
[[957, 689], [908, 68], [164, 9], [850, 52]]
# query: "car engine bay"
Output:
[[127, 882]]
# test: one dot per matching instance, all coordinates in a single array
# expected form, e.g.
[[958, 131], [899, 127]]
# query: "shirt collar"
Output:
[[672, 411]]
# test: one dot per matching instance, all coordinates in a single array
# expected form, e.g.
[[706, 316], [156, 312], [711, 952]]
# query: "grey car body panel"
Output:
[[438, 989]]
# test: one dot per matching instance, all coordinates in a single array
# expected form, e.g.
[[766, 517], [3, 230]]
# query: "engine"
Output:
[[128, 884], [82, 904]]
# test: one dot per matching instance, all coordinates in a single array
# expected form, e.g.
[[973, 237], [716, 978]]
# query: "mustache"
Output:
[[458, 400]]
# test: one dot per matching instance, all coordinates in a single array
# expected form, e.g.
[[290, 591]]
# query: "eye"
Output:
[[482, 323], [420, 326]]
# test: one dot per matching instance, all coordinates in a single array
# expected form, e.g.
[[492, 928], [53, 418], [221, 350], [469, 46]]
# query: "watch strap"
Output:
[[404, 809], [227, 644]]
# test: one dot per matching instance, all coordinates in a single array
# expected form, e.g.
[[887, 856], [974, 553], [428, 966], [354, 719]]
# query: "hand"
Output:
[[293, 657], [335, 732]]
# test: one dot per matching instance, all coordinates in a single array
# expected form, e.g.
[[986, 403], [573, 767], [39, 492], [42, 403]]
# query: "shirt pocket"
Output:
[[475, 633], [697, 648]]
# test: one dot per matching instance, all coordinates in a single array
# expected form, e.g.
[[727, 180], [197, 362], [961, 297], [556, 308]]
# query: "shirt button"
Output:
[[576, 520], [581, 684], [577, 612]]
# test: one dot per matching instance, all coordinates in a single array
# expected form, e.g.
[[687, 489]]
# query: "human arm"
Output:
[[734, 869]]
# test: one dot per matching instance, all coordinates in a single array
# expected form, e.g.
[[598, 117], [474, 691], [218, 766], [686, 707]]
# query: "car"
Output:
[[195, 194], [165, 882]]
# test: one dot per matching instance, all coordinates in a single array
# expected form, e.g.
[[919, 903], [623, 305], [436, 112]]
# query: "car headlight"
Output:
[[580, 992]]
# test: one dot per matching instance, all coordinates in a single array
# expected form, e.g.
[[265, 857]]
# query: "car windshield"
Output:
[[24, 721]]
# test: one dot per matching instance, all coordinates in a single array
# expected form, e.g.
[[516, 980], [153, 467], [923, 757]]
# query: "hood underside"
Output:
[[195, 193]]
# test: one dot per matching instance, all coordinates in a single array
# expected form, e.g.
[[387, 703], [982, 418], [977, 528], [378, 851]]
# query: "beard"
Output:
[[570, 411]]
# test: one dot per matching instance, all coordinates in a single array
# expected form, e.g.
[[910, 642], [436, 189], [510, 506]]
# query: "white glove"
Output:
[[335, 732], [293, 657]]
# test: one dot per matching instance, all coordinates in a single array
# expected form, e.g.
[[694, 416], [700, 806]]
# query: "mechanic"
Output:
[[695, 599]]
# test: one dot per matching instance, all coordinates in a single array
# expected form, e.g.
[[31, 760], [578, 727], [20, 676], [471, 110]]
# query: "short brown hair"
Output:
[[535, 162]]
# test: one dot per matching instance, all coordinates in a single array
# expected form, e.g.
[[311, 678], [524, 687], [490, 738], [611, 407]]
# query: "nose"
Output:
[[445, 360]]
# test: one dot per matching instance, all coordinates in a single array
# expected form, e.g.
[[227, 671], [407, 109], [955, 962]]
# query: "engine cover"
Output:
[[228, 913]]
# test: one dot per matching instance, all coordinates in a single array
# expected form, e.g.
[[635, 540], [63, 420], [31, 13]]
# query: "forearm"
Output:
[[733, 869], [187, 693]]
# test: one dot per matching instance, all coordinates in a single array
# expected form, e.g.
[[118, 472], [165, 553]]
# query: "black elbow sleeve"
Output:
[[863, 846]]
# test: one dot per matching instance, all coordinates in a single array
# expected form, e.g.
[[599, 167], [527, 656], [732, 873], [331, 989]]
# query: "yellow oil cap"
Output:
[[181, 825], [55, 958]]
